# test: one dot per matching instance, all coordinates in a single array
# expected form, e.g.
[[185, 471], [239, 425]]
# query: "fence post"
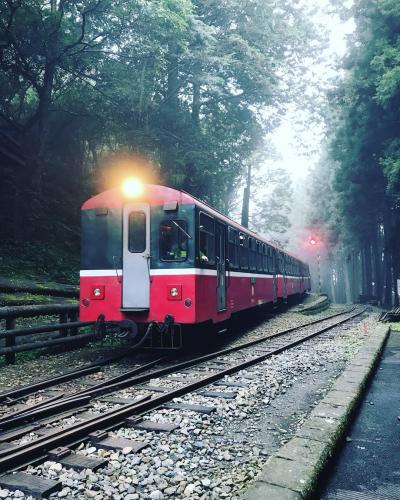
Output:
[[63, 319], [73, 316], [10, 341]]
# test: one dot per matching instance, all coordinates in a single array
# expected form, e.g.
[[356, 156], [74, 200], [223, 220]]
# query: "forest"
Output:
[[356, 186], [187, 93], [184, 91]]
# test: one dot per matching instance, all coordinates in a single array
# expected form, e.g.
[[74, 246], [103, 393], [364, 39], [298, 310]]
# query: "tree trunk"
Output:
[[196, 98], [377, 269], [396, 256], [388, 278], [347, 284], [43, 120], [173, 77], [368, 270], [246, 199]]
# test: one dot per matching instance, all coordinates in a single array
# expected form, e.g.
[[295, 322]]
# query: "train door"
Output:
[[136, 257], [220, 258]]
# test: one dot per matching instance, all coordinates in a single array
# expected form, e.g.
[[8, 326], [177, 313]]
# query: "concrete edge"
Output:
[[318, 305], [295, 469]]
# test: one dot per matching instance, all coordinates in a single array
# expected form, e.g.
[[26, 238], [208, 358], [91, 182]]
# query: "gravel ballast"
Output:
[[217, 455]]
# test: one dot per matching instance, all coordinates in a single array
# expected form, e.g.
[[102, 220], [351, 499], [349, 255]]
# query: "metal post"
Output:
[[10, 341], [319, 272]]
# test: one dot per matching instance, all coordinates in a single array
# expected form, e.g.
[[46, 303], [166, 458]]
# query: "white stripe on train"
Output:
[[178, 272]]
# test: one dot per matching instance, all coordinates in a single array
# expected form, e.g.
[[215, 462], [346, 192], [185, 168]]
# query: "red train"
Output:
[[152, 255]]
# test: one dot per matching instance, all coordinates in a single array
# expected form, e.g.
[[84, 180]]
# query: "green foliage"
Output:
[[23, 299], [193, 85], [38, 262]]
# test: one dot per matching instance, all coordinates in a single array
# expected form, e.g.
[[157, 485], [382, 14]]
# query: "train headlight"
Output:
[[97, 292], [132, 187], [174, 292]]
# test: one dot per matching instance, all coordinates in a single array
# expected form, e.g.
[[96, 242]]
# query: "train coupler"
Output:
[[166, 335]]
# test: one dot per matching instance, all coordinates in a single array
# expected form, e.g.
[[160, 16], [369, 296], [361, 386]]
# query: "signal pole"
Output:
[[314, 242], [319, 272]]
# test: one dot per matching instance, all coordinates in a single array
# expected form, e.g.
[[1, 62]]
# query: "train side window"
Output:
[[137, 232], [280, 263], [268, 259], [173, 240], [207, 239], [259, 256], [273, 260], [265, 257], [252, 254], [243, 249], [233, 248]]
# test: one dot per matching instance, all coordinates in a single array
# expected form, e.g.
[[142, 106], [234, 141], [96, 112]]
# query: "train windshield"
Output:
[[173, 240]]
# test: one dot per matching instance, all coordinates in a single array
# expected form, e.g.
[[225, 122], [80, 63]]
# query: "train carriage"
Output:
[[153, 255]]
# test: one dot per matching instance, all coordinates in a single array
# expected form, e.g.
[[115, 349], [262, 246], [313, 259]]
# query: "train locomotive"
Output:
[[158, 260]]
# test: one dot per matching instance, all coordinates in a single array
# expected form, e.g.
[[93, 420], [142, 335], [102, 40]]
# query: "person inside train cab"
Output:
[[203, 256], [173, 241]]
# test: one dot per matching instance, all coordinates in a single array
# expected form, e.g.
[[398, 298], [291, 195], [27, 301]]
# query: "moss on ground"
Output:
[[39, 262], [23, 298]]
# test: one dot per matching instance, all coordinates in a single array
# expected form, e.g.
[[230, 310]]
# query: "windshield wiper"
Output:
[[181, 228]]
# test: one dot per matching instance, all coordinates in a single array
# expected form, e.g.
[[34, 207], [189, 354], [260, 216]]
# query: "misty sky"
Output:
[[299, 144]]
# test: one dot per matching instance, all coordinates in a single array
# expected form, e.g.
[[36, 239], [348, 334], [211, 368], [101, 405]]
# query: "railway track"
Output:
[[169, 383]]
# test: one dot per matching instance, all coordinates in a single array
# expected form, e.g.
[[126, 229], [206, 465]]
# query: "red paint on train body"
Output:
[[181, 281]]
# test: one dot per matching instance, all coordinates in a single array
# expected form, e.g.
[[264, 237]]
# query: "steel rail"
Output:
[[81, 372], [93, 391], [77, 433], [13, 394], [44, 384], [15, 414], [52, 407], [126, 380], [43, 411]]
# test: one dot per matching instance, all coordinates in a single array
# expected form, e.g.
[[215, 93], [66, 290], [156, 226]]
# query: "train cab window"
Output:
[[137, 232], [207, 239], [243, 250], [233, 248], [173, 240]]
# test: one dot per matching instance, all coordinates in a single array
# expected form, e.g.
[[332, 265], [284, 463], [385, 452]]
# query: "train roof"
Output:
[[157, 195]]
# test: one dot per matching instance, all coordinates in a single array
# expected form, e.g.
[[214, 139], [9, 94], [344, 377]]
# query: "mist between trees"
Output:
[[356, 187]]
